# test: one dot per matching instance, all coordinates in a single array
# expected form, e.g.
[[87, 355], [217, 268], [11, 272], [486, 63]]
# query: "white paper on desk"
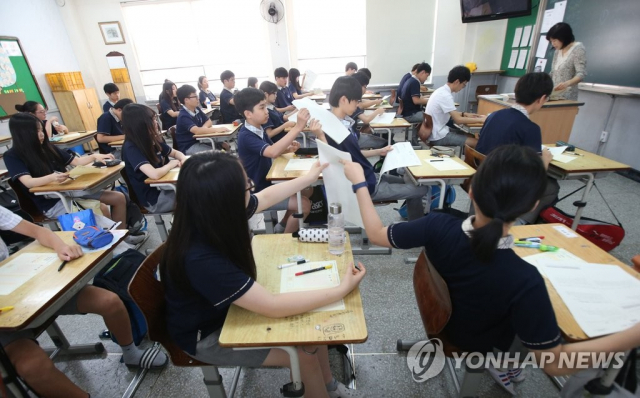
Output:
[[117, 234], [402, 155], [602, 298], [540, 259], [522, 58], [568, 233], [516, 38], [82, 170], [526, 35], [555, 150], [309, 79], [563, 158], [325, 279], [338, 187], [24, 267], [445, 164], [513, 59], [331, 125], [541, 63], [543, 44], [300, 164], [385, 118]]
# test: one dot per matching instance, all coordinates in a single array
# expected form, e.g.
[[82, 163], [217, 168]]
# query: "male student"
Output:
[[350, 68], [192, 121], [411, 97], [227, 105], [513, 126], [441, 108], [284, 98], [367, 140], [256, 150], [110, 128], [277, 122], [404, 80], [113, 95], [27, 357], [343, 98]]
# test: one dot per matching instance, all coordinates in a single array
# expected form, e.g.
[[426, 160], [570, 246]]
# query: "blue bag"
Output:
[[435, 199], [78, 220], [92, 237]]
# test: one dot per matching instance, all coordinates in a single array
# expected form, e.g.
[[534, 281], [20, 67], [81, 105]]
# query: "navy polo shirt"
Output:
[[133, 159], [492, 302], [184, 137], [167, 120], [283, 97], [17, 168], [402, 82], [202, 96], [217, 282], [106, 106], [350, 144], [411, 89], [229, 112], [292, 89], [508, 126], [108, 125], [251, 148], [276, 119]]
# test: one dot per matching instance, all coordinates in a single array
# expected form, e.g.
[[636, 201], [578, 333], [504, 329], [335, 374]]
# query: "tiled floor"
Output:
[[390, 311]]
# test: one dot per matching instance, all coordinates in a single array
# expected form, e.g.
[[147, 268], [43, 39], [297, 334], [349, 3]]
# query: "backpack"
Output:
[[318, 213], [450, 197], [115, 277], [9, 201]]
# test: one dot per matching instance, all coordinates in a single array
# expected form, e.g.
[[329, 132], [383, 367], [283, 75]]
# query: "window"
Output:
[[183, 40], [327, 35]]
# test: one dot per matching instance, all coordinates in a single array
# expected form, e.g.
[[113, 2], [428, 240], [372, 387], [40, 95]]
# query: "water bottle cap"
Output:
[[335, 208]]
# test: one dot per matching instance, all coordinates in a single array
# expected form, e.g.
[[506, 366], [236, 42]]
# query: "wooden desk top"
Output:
[[371, 96], [426, 170], [244, 328], [318, 97], [82, 182], [170, 178], [548, 104], [396, 123], [578, 246], [83, 136], [4, 138], [117, 143], [231, 127], [35, 295], [589, 162], [277, 172]]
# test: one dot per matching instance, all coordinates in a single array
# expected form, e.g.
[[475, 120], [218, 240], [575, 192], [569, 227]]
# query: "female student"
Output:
[[203, 85], [169, 105], [294, 84], [474, 257], [146, 155], [208, 264], [33, 161], [252, 82], [51, 126]]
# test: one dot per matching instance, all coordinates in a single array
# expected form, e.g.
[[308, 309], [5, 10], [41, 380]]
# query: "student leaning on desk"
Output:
[[26, 356], [475, 256], [208, 265]]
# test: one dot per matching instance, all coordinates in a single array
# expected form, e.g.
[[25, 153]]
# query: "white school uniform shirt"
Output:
[[8, 221], [438, 107]]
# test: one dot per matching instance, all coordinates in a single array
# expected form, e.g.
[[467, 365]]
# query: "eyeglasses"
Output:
[[252, 186]]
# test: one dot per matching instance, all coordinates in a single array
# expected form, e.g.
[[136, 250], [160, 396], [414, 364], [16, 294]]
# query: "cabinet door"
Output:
[[126, 91], [95, 107], [68, 110], [83, 110]]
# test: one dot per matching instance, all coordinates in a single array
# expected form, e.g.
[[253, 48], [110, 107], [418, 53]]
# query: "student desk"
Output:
[[426, 174], [213, 137], [167, 181], [117, 144], [6, 140], [70, 140], [379, 107], [473, 129], [318, 97], [38, 299], [555, 118], [371, 96], [586, 168], [84, 184], [395, 124], [580, 247], [244, 329]]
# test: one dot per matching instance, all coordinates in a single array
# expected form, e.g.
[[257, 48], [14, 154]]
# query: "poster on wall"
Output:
[[17, 83]]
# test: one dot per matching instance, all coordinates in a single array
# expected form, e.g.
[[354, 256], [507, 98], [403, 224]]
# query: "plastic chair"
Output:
[[148, 294], [27, 204]]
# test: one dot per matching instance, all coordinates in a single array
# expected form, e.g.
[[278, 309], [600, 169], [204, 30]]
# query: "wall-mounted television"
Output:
[[491, 10]]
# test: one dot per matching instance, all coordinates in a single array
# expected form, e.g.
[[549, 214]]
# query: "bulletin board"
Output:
[[517, 50], [17, 83]]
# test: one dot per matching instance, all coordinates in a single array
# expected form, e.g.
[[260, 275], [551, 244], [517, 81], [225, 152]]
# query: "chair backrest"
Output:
[[148, 294], [473, 158], [486, 89], [426, 127], [394, 94], [432, 296], [132, 193], [159, 108], [172, 134], [400, 107], [26, 202]]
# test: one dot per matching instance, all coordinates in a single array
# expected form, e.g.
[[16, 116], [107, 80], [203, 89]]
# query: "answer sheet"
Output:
[[324, 279], [331, 125], [300, 164], [445, 164], [402, 155], [540, 259], [24, 267], [385, 118]]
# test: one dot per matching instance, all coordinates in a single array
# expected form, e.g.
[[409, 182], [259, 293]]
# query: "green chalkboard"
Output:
[[512, 25], [17, 83], [610, 32]]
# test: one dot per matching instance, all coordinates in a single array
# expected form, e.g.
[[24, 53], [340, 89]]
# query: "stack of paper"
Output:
[[324, 279]]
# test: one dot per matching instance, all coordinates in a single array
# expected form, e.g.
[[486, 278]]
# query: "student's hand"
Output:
[[352, 277], [547, 156], [68, 252], [303, 118], [59, 128], [59, 177], [290, 124], [173, 163], [385, 150], [316, 170], [316, 127], [100, 157], [295, 145], [378, 102], [220, 129], [353, 171]]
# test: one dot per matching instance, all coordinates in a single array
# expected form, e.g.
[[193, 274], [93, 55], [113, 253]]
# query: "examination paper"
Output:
[[337, 186], [309, 79], [331, 125], [300, 164], [563, 158], [18, 271], [445, 164], [324, 279], [602, 298], [402, 155], [385, 118], [555, 150], [540, 259]]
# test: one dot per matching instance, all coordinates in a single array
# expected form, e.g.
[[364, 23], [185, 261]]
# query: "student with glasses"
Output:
[[51, 126]]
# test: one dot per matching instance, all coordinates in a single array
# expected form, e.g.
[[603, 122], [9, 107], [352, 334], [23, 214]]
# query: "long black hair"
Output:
[[167, 95], [294, 74], [140, 127], [210, 208], [41, 158], [507, 185]]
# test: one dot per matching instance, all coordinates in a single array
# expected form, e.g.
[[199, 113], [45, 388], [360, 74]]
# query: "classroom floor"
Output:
[[390, 311]]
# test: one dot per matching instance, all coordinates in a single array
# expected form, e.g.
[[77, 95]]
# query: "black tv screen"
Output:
[[490, 10]]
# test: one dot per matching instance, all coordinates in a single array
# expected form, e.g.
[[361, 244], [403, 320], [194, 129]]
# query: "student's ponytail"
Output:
[[508, 184]]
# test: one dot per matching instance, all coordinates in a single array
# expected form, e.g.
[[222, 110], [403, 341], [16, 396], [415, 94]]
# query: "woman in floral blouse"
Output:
[[569, 61]]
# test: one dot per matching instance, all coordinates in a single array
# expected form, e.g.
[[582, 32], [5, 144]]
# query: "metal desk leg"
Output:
[[589, 184], [62, 345], [299, 215]]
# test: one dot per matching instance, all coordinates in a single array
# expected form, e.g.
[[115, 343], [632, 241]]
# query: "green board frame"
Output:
[[25, 86], [512, 25]]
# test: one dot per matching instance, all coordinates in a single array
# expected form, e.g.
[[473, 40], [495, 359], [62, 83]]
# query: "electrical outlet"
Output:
[[603, 136]]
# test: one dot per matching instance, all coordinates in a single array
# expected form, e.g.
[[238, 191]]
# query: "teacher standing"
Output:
[[569, 61]]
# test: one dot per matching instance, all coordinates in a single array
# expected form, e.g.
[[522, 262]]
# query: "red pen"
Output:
[[314, 270]]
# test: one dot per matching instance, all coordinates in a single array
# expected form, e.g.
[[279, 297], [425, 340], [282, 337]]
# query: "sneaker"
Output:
[[502, 378], [516, 375], [343, 392], [136, 240]]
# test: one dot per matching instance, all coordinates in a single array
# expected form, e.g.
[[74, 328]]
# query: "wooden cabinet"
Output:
[[126, 91], [80, 109]]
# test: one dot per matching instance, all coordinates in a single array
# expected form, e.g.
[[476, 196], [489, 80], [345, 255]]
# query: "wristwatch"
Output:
[[359, 185]]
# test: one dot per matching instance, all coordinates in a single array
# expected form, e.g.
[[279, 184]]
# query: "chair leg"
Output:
[[213, 381], [162, 230]]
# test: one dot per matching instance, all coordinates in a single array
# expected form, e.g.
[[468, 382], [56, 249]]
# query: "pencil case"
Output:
[[311, 235]]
